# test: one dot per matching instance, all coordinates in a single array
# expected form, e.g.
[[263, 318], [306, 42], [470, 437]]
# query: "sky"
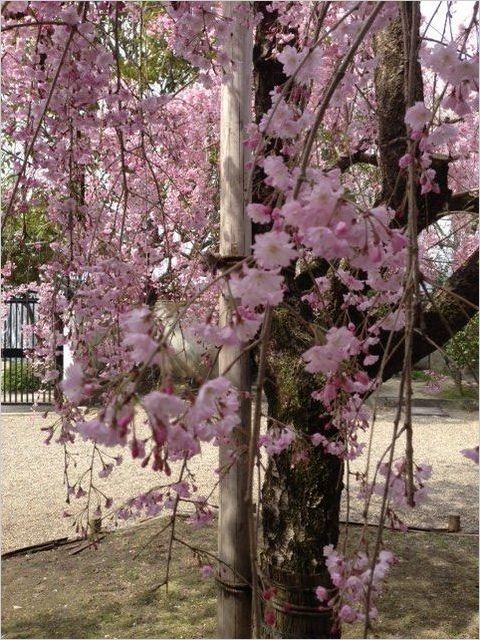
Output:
[[461, 14]]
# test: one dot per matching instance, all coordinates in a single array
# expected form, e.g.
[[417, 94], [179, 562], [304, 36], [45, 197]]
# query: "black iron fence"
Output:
[[19, 384]]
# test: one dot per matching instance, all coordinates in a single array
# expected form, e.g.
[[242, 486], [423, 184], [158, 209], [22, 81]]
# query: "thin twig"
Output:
[[37, 130]]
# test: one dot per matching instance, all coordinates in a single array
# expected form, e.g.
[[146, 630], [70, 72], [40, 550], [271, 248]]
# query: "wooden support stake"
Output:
[[234, 596], [453, 523]]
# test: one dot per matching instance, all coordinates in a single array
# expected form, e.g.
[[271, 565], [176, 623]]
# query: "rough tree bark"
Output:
[[301, 500]]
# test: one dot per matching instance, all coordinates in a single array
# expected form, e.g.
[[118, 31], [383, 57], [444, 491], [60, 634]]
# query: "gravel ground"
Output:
[[33, 495], [437, 441]]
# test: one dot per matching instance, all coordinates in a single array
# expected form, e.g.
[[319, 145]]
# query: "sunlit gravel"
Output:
[[33, 493]]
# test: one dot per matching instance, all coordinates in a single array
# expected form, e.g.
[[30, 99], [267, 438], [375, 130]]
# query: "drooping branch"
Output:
[[392, 138], [359, 157], [446, 312], [464, 201]]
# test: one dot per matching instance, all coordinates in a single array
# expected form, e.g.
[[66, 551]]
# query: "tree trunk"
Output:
[[301, 497]]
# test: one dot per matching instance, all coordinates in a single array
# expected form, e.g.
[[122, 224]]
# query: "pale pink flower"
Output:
[[200, 518], [318, 438], [281, 121], [99, 432], [405, 161], [182, 489], [16, 7], [321, 594], [162, 406], [181, 442], [73, 384], [212, 334], [443, 60], [278, 175], [326, 244], [347, 614], [292, 213], [427, 182], [259, 213], [277, 441], [70, 15], [418, 116], [456, 101], [51, 375], [324, 199], [137, 320], [290, 59], [394, 321], [274, 249], [340, 345], [386, 556], [247, 323], [443, 134], [206, 404], [257, 287], [398, 240]]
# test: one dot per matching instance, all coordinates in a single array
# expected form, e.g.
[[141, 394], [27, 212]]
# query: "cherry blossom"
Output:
[[126, 173], [257, 287], [274, 249], [259, 213], [73, 385], [340, 345], [418, 116]]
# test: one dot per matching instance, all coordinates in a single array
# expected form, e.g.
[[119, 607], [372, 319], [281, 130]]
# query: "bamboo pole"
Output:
[[234, 593]]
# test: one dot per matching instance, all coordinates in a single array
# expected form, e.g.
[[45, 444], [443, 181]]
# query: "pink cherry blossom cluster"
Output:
[[349, 415], [138, 336], [126, 172], [277, 440], [144, 505], [355, 583], [178, 427], [435, 381], [418, 118], [457, 70], [197, 32], [397, 484], [241, 328]]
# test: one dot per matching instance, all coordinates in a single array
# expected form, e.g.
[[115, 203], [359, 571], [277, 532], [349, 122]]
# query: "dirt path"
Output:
[[33, 496]]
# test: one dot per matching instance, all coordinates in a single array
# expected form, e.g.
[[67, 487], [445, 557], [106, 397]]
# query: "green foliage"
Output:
[[420, 376], [147, 58], [469, 392], [26, 243], [17, 376], [462, 349]]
